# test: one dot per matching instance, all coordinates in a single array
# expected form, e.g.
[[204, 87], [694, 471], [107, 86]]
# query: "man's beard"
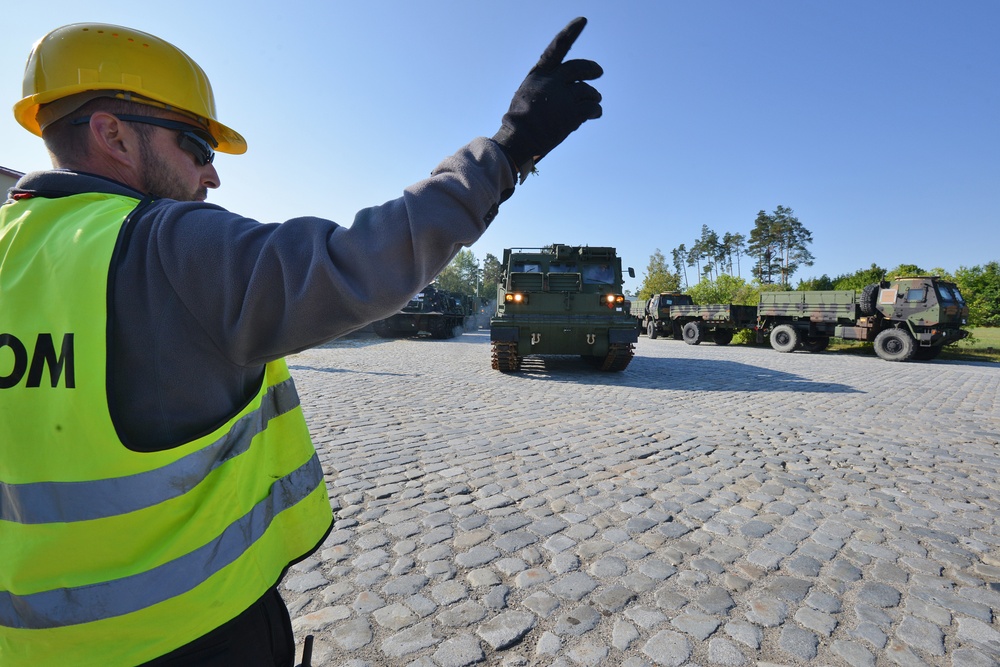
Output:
[[163, 183]]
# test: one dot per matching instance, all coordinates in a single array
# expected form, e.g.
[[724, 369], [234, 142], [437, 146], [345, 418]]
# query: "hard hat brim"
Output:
[[26, 114]]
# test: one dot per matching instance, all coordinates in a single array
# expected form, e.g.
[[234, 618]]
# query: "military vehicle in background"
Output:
[[433, 311], [715, 322], [562, 300], [653, 315], [905, 318]]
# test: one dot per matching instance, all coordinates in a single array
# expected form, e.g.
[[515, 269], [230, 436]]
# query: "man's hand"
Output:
[[552, 102]]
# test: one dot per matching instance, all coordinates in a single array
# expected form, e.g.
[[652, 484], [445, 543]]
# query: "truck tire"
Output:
[[722, 336], [895, 345], [815, 343], [784, 338], [868, 299], [651, 330], [693, 333]]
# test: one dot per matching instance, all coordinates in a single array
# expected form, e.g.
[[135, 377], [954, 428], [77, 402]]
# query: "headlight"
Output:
[[612, 300]]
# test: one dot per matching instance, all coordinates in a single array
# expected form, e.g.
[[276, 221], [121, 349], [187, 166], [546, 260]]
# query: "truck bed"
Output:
[[818, 306], [739, 316]]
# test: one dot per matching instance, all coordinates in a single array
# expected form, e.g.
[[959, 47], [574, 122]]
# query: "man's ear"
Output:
[[114, 140]]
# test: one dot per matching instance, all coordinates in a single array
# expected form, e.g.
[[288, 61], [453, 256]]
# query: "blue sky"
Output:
[[877, 122]]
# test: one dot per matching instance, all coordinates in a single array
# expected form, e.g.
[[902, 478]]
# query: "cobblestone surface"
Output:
[[707, 506]]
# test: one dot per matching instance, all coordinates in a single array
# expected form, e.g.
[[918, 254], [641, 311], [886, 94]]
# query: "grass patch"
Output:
[[982, 345]]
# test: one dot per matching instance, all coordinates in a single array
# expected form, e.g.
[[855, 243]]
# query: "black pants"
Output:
[[259, 637]]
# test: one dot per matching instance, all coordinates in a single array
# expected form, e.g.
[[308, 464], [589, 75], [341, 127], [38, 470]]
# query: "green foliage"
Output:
[[821, 284], [680, 257], [860, 278], [729, 289], [658, 278], [461, 275], [492, 275], [980, 285], [907, 270], [778, 242], [710, 255], [873, 274]]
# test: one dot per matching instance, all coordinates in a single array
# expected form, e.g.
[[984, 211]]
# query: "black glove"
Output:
[[552, 102]]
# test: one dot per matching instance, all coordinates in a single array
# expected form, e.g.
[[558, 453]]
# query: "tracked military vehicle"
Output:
[[433, 311], [905, 318], [562, 300]]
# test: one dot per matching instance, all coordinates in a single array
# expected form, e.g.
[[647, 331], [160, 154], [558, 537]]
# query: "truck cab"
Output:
[[908, 317], [654, 320]]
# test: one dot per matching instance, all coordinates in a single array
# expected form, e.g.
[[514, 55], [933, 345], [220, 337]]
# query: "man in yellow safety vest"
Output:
[[157, 476]]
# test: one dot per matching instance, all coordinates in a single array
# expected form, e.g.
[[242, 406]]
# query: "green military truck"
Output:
[[653, 315], [717, 322], [433, 311], [562, 300], [909, 317]]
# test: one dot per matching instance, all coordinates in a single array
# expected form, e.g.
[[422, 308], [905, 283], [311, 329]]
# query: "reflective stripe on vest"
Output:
[[55, 502], [103, 548], [85, 604]]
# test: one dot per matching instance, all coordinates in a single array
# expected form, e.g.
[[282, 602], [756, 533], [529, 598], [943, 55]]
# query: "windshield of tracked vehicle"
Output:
[[598, 274], [562, 268], [526, 267]]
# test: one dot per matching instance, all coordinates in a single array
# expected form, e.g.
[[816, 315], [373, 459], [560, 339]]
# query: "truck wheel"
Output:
[[722, 336], [868, 299], [815, 343], [895, 345], [651, 329], [784, 338], [692, 333]]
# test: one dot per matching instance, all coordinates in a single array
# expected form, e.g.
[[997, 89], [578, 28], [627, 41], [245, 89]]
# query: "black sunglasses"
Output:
[[193, 139]]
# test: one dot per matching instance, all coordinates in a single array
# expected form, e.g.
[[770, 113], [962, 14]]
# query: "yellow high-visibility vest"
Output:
[[110, 556]]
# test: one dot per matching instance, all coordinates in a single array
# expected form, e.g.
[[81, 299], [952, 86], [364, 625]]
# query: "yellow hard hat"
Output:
[[101, 59]]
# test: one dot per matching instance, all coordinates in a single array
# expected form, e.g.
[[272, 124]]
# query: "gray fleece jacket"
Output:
[[201, 298]]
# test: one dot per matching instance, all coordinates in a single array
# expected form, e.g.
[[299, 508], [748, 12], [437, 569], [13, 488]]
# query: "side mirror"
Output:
[[631, 272]]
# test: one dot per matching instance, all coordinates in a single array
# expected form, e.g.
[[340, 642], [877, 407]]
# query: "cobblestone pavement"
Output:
[[707, 506]]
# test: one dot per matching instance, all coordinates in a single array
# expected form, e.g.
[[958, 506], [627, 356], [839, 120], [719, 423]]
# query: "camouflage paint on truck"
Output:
[[910, 317], [562, 300], [717, 322]]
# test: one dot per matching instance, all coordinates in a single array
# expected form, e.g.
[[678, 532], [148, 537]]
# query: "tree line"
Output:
[[777, 246], [464, 275], [776, 249]]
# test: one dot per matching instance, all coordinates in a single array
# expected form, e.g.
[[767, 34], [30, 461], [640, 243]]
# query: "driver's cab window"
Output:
[[526, 267], [950, 295], [562, 268], [916, 295], [598, 274]]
